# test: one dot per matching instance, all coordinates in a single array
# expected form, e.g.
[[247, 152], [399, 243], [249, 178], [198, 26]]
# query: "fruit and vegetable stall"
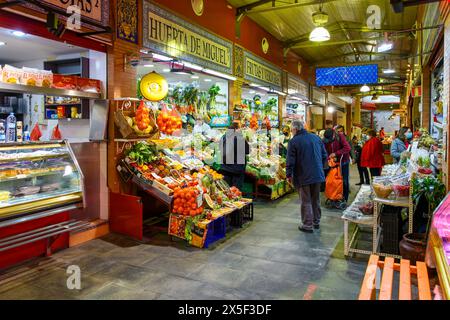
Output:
[[400, 203]]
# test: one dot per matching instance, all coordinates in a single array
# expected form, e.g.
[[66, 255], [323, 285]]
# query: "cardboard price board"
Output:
[[198, 233], [177, 226]]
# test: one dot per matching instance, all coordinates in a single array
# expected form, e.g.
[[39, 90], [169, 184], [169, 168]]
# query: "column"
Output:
[[426, 98], [357, 110], [234, 95], [310, 119], [349, 121], [281, 107]]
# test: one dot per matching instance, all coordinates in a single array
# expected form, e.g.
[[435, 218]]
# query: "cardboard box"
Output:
[[89, 85], [64, 82]]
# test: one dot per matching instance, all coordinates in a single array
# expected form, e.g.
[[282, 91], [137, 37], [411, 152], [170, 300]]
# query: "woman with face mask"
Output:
[[400, 143]]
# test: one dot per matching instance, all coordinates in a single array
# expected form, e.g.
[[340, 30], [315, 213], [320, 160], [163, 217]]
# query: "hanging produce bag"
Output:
[[267, 123], [56, 134], [254, 122], [36, 133], [168, 122]]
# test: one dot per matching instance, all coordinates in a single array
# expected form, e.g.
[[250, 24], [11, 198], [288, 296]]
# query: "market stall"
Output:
[[318, 112], [399, 204], [296, 100], [51, 111], [171, 170]]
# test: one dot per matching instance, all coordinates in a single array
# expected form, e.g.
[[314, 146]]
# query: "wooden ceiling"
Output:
[[352, 42]]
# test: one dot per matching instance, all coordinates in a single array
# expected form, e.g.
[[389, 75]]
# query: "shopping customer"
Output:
[[234, 150], [304, 169], [363, 172], [341, 129], [338, 148], [372, 155], [399, 144], [382, 134]]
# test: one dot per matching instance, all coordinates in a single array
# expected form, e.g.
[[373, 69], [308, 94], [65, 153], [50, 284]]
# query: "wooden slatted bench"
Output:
[[388, 267]]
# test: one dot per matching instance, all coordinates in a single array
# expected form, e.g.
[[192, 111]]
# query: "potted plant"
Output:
[[432, 190]]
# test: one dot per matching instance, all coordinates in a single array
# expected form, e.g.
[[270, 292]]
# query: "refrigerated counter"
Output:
[[38, 176]]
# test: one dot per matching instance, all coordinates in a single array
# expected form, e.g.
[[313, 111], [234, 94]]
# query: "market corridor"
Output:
[[268, 259]]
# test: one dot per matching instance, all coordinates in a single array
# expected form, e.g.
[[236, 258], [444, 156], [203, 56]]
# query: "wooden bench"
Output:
[[368, 288]]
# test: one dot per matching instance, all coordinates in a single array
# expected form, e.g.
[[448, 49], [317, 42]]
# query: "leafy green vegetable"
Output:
[[213, 92], [434, 192], [142, 153]]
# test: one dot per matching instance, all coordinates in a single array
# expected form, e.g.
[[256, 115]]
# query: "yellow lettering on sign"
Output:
[[180, 40], [89, 8], [261, 72]]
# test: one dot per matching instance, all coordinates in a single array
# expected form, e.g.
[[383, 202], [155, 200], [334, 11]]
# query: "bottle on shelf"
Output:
[[19, 131], [11, 128], [2, 131]]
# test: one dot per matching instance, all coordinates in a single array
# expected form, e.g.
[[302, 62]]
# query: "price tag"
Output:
[[169, 180], [414, 147], [199, 197], [155, 176], [188, 177]]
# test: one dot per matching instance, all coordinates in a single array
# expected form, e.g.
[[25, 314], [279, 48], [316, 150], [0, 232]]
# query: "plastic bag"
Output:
[[56, 134], [36, 133]]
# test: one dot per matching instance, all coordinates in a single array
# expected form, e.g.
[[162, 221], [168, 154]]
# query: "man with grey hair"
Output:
[[306, 157]]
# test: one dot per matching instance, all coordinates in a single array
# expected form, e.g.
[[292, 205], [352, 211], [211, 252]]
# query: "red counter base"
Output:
[[38, 248]]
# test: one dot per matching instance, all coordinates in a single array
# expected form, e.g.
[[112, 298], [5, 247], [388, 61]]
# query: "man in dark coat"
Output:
[[234, 149], [306, 157]]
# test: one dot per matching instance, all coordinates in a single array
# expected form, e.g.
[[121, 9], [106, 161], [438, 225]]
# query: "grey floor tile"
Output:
[[112, 291]]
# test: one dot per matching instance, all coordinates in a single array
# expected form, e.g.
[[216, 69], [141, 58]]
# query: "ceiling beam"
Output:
[[309, 44], [249, 10], [398, 58], [399, 5], [248, 7], [11, 3], [343, 25]]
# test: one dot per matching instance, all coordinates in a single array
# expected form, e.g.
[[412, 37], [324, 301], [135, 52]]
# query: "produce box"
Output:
[[64, 82], [177, 226], [122, 121], [88, 85], [198, 235]]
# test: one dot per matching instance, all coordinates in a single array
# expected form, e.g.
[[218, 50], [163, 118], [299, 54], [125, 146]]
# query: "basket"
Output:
[[401, 191], [127, 131], [382, 191]]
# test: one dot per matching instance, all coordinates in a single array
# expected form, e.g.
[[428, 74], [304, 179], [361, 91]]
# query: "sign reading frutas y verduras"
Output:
[[260, 71], [298, 87], [169, 34]]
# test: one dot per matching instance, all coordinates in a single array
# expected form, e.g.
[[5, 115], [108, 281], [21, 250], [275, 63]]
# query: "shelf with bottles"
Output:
[[67, 111]]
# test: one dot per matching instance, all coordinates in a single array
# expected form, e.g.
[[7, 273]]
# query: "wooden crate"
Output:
[[368, 287]]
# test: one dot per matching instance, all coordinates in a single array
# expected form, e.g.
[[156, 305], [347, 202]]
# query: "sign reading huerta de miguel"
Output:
[[166, 33], [259, 71]]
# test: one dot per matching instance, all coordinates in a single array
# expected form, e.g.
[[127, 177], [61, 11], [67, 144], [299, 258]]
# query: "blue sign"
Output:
[[347, 75]]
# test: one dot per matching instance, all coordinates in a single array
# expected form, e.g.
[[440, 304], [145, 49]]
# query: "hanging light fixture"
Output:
[[319, 34], [364, 88]]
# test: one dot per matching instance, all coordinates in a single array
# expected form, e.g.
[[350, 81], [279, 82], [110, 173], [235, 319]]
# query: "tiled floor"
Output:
[[268, 259]]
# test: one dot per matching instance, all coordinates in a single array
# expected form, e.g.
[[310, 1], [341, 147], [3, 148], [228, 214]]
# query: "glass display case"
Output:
[[37, 176], [439, 245]]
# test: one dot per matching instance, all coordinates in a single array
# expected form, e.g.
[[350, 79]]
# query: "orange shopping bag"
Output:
[[334, 184]]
